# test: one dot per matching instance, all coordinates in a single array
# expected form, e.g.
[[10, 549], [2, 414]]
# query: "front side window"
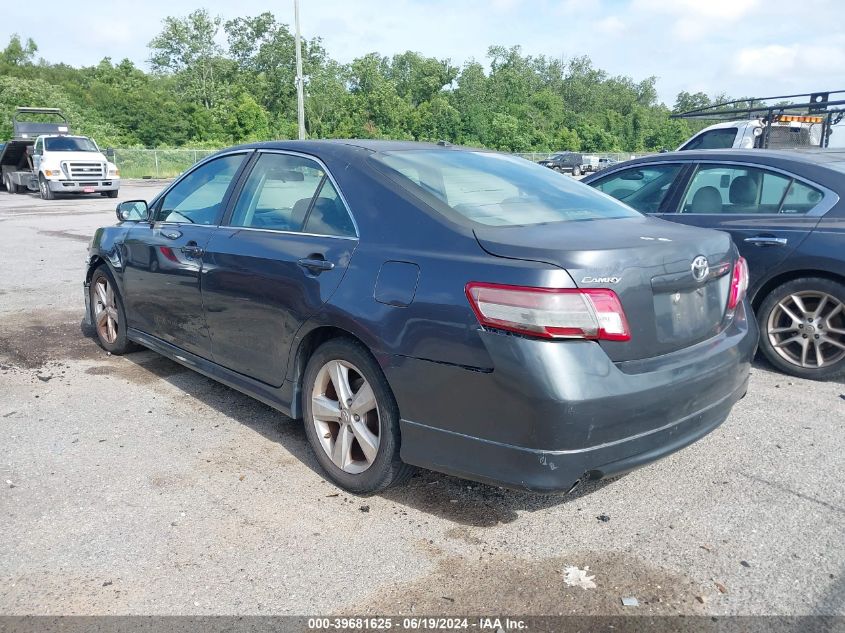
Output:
[[714, 139], [497, 190], [197, 198], [644, 188], [70, 144], [740, 189]]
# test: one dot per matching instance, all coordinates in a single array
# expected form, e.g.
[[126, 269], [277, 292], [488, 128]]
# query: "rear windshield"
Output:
[[499, 190], [70, 144]]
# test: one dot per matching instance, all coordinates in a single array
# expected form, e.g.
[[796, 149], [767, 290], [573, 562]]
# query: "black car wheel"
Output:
[[44, 189], [802, 325], [107, 314], [576, 171], [351, 418]]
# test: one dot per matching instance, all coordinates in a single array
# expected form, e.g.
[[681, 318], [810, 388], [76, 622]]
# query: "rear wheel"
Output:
[[351, 418], [107, 313], [803, 328], [576, 171], [44, 189]]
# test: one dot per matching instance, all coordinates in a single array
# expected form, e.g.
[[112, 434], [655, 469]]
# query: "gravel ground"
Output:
[[131, 485]]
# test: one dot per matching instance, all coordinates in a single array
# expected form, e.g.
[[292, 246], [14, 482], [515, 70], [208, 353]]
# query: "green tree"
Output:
[[186, 47], [18, 53]]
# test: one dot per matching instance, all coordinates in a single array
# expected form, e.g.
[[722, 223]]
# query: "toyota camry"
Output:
[[435, 306]]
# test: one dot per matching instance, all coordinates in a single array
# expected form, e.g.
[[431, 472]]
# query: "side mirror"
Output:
[[133, 211], [110, 153]]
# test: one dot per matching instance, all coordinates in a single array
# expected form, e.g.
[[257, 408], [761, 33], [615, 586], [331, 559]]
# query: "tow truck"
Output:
[[45, 157], [781, 122]]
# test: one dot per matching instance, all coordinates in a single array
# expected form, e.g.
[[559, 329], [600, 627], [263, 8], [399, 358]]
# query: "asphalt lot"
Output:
[[132, 485]]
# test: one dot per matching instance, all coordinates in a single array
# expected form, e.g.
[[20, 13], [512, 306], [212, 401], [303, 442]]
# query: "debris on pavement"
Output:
[[630, 602], [745, 563], [364, 508], [721, 588], [701, 599], [575, 577], [603, 518]]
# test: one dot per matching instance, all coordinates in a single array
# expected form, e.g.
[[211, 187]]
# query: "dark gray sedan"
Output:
[[785, 211], [427, 305]]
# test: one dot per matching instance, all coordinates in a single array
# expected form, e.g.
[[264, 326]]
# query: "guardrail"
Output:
[[169, 163]]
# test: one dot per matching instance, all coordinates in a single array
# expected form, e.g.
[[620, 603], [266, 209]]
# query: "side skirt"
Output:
[[279, 398]]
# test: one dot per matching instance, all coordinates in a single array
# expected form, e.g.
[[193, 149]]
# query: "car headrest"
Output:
[[743, 190], [706, 200], [297, 216]]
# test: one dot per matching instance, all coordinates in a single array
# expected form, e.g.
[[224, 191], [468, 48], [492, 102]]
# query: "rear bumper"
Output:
[[552, 413], [79, 186]]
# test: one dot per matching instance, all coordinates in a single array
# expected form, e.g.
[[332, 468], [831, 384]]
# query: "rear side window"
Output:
[[497, 190], [278, 193], [739, 189], [714, 139], [643, 188], [291, 193]]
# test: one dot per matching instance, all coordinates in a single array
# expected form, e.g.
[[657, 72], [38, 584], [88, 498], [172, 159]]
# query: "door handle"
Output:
[[762, 240], [192, 250], [315, 264]]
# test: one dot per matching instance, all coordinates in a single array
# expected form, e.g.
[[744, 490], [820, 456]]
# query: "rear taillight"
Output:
[[592, 313], [739, 283]]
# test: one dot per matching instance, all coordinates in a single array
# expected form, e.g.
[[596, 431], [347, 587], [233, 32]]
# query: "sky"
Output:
[[738, 47]]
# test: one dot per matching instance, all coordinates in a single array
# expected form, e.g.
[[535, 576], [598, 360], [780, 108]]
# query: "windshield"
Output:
[[498, 190], [69, 144]]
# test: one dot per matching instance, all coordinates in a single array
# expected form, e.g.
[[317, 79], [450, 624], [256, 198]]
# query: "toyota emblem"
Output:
[[700, 268]]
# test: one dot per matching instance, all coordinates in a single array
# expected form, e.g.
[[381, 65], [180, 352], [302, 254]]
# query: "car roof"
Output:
[[808, 156], [372, 145]]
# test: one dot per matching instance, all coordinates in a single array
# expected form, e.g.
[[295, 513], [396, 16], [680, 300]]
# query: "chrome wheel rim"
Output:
[[105, 310], [345, 416], [43, 188], [807, 329]]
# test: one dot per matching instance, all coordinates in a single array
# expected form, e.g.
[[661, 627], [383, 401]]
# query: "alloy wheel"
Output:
[[346, 416], [807, 329], [105, 310]]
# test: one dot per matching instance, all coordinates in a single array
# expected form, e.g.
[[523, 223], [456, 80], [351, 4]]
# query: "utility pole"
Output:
[[300, 98]]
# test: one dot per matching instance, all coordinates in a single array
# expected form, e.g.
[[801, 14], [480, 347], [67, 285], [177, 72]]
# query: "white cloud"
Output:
[[611, 25], [729, 10], [777, 60], [695, 19]]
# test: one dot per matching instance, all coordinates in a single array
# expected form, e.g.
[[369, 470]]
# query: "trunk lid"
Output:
[[647, 262]]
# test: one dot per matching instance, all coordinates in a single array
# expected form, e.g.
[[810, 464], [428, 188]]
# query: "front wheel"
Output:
[[107, 313], [351, 418], [576, 171], [112, 194], [44, 189], [802, 325]]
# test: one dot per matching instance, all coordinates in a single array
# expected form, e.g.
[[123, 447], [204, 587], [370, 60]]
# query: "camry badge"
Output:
[[700, 268]]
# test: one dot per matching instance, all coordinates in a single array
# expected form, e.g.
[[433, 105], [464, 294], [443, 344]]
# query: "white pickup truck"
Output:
[[781, 122], [748, 134], [45, 157]]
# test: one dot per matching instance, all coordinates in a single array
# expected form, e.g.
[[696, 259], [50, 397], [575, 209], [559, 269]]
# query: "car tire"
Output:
[[44, 189], [806, 313], [112, 194], [108, 315], [356, 443], [576, 171]]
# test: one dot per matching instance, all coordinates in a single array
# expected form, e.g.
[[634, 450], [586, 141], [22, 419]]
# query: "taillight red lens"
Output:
[[591, 313], [739, 283]]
